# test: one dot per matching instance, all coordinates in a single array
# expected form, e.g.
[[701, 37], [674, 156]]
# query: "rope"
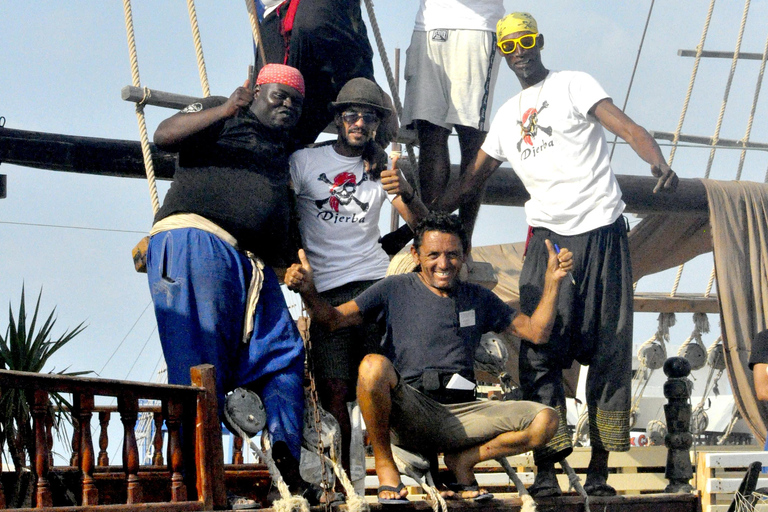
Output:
[[146, 152], [255, 29], [728, 84], [437, 501], [634, 70], [388, 71], [320, 449], [754, 107], [286, 503], [696, 61], [198, 48], [716, 136]]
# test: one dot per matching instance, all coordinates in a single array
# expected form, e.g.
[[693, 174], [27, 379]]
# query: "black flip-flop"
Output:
[[391, 501], [473, 487]]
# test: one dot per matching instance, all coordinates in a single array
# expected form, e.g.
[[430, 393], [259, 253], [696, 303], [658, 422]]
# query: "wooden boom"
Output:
[[123, 158]]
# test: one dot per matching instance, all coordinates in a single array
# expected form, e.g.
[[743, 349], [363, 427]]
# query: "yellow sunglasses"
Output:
[[527, 42]]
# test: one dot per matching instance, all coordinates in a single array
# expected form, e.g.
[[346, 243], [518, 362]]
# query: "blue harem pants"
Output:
[[199, 286]]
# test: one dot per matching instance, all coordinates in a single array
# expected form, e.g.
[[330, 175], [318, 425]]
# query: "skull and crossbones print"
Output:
[[342, 189]]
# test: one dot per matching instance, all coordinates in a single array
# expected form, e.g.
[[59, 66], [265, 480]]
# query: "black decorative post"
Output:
[[678, 414]]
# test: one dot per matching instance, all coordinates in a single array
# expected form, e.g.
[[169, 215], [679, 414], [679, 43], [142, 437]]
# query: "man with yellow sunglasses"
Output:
[[552, 134]]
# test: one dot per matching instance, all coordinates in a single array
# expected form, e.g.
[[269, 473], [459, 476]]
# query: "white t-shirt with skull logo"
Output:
[[339, 207], [559, 152]]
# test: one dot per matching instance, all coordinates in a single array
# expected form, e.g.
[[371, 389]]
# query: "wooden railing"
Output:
[[193, 407]]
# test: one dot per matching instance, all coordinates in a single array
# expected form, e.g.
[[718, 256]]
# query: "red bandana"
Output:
[[281, 74]]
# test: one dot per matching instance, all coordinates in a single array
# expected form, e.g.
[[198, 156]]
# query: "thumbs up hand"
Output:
[[299, 277]]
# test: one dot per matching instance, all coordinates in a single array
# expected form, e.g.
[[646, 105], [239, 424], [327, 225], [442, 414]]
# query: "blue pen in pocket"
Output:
[[573, 281]]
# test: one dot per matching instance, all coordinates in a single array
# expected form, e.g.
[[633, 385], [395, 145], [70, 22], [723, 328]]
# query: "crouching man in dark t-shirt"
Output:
[[434, 323]]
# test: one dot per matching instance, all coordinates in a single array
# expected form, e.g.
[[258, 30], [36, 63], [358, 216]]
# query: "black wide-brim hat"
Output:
[[361, 91]]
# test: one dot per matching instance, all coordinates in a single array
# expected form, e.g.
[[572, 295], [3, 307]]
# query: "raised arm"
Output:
[[618, 123], [406, 202], [300, 278], [537, 327], [179, 127]]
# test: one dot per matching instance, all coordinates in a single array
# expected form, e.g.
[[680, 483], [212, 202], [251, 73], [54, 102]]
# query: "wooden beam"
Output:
[[505, 189], [157, 98], [709, 141], [85, 155], [720, 55], [112, 157], [680, 303]]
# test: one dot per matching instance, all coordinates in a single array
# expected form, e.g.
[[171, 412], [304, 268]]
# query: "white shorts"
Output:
[[450, 76]]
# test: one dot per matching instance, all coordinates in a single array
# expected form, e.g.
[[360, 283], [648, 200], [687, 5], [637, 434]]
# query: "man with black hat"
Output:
[[339, 201]]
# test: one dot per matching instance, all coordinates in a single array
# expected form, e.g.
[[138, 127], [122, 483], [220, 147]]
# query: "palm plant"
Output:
[[27, 347]]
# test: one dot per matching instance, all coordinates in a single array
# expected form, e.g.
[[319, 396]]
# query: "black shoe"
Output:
[[545, 485], [599, 489]]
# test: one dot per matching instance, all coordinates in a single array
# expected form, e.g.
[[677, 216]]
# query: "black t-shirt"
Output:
[[759, 352], [235, 173], [429, 332]]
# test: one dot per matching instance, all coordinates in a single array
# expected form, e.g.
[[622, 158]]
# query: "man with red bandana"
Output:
[[223, 224], [552, 134], [339, 200]]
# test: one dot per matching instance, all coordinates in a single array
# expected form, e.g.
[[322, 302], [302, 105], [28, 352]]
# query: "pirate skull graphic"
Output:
[[529, 125], [342, 189]]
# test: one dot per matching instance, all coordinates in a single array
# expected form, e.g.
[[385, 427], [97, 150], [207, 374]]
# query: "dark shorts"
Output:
[[337, 354], [419, 423]]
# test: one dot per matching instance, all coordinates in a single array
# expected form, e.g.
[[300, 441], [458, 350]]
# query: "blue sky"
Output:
[[62, 66]]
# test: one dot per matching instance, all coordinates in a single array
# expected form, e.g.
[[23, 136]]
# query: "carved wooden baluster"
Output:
[[104, 417], [49, 435], [237, 451], [39, 411], [157, 441], [84, 404], [128, 406], [175, 460], [74, 460]]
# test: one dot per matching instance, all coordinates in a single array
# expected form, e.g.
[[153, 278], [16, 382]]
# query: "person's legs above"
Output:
[[470, 141], [434, 161], [374, 393]]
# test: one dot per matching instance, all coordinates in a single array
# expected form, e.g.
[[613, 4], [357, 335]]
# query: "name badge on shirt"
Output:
[[467, 318]]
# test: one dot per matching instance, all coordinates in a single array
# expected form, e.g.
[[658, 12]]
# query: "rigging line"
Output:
[[125, 337], [84, 228], [758, 86], [634, 70], [154, 370], [154, 330], [728, 84], [716, 136], [684, 111]]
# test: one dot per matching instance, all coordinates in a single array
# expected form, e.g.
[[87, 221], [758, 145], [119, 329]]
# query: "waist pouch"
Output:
[[433, 384]]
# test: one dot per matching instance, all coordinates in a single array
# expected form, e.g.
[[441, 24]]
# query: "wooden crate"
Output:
[[719, 475]]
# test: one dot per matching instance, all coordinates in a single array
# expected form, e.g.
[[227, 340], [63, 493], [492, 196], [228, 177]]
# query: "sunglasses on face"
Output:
[[526, 42], [352, 117]]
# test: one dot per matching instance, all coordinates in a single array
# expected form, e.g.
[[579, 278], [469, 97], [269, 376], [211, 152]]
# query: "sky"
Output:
[[62, 65]]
